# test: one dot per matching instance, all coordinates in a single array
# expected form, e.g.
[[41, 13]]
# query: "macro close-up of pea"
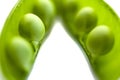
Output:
[[94, 25]]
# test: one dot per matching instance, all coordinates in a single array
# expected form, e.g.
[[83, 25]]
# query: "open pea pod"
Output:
[[26, 27], [95, 28]]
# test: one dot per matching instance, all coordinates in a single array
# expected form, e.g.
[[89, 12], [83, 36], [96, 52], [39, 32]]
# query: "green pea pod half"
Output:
[[25, 29], [96, 28]]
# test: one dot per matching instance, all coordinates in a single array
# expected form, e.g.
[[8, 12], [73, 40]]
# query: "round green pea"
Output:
[[100, 40], [20, 53], [85, 20], [31, 27]]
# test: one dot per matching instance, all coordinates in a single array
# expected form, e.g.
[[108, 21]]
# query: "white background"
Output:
[[59, 58]]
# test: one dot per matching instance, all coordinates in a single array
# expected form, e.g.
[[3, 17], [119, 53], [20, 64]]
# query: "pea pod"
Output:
[[95, 28], [91, 23], [25, 29]]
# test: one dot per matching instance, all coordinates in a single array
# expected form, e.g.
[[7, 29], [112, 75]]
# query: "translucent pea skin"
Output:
[[22, 35]]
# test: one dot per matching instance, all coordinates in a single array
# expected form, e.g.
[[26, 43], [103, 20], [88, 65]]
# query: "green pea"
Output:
[[31, 27], [19, 55], [85, 20], [100, 40], [20, 51]]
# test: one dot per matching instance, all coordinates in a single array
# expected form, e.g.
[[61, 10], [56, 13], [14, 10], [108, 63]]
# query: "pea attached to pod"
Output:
[[100, 40], [31, 27], [85, 20], [19, 53]]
